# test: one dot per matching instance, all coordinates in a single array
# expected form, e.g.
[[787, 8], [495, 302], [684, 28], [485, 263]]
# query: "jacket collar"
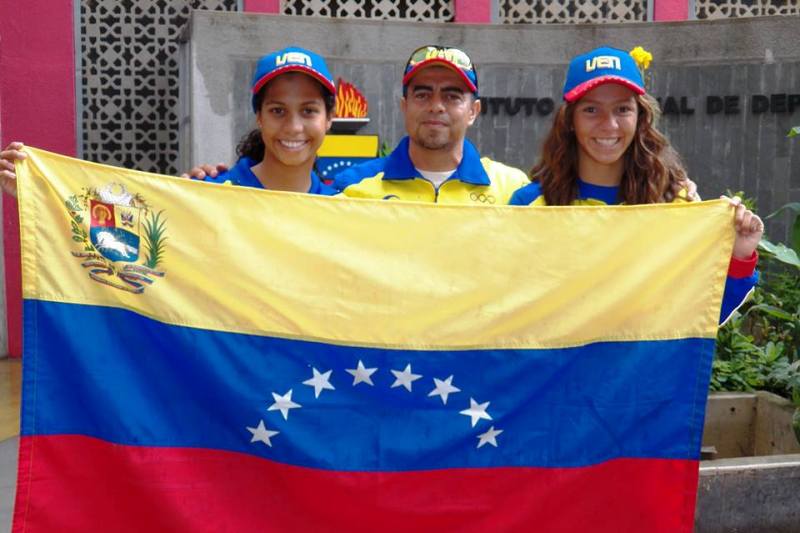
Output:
[[249, 179], [470, 169]]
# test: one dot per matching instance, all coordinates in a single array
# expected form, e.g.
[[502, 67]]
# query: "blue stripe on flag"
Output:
[[133, 380]]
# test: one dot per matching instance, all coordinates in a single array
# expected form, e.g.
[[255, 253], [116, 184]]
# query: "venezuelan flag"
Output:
[[206, 358]]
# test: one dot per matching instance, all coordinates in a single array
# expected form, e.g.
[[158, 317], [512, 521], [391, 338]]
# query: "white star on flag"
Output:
[[283, 404], [476, 411], [404, 378], [444, 388], [490, 437], [262, 434], [320, 382], [361, 374]]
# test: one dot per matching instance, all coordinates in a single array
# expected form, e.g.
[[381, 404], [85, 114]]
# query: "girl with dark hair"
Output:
[[293, 100], [603, 148]]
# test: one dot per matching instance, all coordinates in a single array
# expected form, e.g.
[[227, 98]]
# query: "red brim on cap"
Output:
[[578, 91], [294, 68], [441, 61]]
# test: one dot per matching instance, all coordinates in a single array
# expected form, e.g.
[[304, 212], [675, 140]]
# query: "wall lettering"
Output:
[[672, 105], [506, 105], [727, 104]]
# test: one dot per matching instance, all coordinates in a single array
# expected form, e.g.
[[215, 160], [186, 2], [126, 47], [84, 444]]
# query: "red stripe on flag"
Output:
[[75, 483]]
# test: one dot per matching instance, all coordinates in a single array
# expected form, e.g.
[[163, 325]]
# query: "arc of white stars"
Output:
[[361, 374], [476, 411], [405, 378], [444, 388], [320, 382], [283, 404], [262, 434], [490, 437]]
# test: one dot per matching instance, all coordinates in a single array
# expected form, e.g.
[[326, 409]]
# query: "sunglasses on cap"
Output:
[[452, 58]]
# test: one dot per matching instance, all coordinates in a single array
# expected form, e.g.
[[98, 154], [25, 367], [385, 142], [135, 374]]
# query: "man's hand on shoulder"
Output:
[[200, 172]]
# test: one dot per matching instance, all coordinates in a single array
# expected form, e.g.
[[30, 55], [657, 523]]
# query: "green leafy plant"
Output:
[[788, 253], [743, 364], [739, 365]]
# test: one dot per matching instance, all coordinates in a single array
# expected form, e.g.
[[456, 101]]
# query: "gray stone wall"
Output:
[[694, 60]]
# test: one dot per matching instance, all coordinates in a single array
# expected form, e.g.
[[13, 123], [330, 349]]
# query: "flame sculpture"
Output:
[[350, 103]]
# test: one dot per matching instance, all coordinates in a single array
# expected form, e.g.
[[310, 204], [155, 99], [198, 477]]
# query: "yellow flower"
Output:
[[642, 58]]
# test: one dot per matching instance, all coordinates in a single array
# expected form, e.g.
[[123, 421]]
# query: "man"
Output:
[[435, 162]]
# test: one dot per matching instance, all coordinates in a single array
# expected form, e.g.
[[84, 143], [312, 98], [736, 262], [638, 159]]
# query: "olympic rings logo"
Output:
[[482, 198]]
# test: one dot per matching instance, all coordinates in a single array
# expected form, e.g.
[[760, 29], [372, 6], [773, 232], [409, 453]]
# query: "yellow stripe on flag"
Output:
[[379, 273]]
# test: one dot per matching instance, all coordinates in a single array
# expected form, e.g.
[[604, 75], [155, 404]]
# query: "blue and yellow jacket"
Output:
[[242, 175], [742, 275], [475, 181]]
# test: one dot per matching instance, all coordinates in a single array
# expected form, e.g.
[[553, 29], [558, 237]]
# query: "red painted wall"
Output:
[[473, 11], [37, 107], [665, 10], [262, 6]]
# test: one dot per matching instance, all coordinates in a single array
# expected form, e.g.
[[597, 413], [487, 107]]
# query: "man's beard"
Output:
[[433, 141]]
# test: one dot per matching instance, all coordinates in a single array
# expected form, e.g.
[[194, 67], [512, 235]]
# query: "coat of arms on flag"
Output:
[[112, 246]]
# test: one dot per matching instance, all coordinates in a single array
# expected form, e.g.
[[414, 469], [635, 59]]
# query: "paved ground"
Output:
[[8, 479]]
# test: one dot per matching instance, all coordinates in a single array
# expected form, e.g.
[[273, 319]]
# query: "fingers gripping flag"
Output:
[[206, 358]]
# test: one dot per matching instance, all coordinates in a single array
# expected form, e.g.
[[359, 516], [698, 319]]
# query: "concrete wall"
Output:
[[695, 60], [730, 424], [746, 424], [749, 495]]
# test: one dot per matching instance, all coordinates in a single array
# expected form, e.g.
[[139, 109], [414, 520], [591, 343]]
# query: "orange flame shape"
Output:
[[350, 103]]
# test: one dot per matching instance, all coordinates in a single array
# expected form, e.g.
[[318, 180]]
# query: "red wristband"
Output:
[[743, 268]]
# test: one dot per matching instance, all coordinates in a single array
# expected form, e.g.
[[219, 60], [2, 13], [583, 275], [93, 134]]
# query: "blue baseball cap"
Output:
[[600, 66], [291, 59], [452, 58]]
